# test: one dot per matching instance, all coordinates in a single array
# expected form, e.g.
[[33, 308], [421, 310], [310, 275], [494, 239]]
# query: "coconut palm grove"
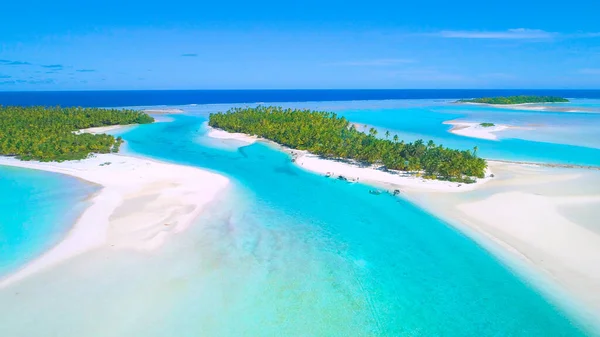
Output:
[[330, 136], [50, 134]]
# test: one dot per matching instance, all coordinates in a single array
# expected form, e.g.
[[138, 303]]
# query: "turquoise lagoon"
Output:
[[37, 209], [290, 253], [555, 137], [330, 259]]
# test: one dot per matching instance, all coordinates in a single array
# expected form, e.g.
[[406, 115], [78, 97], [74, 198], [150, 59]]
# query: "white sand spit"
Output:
[[141, 203], [543, 216], [533, 225]]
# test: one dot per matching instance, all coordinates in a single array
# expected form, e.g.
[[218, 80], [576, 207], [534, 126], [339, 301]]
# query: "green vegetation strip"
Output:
[[330, 136], [48, 134], [516, 100], [487, 125]]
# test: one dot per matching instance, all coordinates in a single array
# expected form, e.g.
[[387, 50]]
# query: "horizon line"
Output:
[[302, 89]]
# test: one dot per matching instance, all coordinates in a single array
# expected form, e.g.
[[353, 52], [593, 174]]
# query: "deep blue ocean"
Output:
[[182, 97], [290, 253]]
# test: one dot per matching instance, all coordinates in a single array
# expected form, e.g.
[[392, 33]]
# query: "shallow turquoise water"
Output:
[[557, 137], [295, 254], [36, 210], [330, 259]]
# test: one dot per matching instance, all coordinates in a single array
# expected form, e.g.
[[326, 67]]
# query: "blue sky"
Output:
[[73, 45]]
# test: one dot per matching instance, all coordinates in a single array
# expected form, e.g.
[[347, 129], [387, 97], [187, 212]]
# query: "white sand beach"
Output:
[[545, 217], [377, 176], [220, 134], [142, 202], [103, 129]]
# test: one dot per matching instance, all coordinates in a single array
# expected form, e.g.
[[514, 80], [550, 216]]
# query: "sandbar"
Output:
[[476, 130], [142, 202]]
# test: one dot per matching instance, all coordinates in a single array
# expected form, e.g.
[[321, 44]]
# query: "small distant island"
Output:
[[327, 135], [487, 125], [515, 100], [51, 133]]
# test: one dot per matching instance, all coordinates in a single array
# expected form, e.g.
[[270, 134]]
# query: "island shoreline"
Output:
[[115, 217], [553, 285], [352, 171]]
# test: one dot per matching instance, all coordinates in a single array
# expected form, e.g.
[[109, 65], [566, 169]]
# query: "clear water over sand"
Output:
[[552, 136], [315, 256], [36, 210], [289, 253]]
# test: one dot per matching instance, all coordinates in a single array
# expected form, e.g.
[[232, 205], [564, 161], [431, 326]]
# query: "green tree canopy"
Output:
[[326, 134], [48, 133]]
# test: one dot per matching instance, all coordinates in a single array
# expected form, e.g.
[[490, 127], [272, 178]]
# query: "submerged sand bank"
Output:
[[141, 203]]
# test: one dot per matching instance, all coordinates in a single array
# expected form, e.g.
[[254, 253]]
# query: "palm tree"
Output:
[[326, 134], [475, 148]]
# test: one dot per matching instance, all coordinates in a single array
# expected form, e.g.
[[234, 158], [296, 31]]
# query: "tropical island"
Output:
[[332, 137], [51, 133], [487, 125], [509, 100], [61, 141]]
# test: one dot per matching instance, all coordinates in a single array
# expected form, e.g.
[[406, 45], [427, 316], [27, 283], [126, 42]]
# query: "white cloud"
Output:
[[373, 63], [518, 33]]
